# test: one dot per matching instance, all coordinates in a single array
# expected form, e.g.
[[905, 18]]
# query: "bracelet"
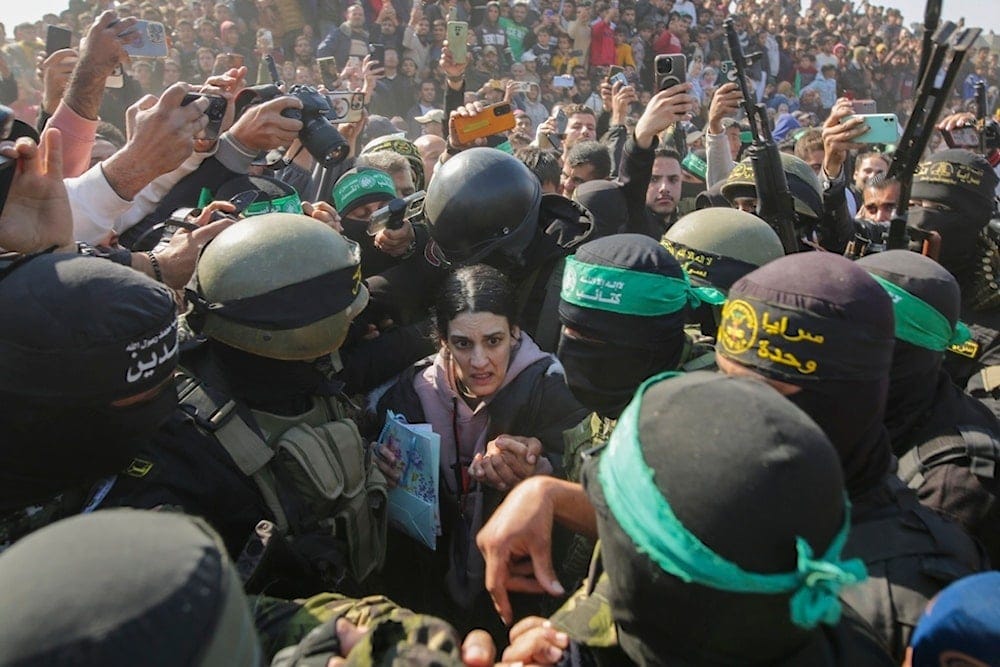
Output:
[[156, 266]]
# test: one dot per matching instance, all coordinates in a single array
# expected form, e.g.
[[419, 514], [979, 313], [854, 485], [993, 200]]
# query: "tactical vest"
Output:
[[312, 470], [911, 553]]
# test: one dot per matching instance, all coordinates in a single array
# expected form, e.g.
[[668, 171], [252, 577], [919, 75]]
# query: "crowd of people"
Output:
[[674, 426]]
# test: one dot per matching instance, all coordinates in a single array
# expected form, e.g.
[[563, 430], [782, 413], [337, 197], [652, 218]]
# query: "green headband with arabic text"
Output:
[[629, 292]]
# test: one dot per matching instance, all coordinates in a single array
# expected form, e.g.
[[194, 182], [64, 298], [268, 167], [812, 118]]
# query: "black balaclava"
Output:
[[623, 349], [606, 202], [124, 587], [747, 486], [817, 321], [272, 385], [915, 370], [78, 334], [965, 183]]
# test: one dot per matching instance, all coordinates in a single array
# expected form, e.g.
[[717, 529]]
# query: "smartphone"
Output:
[[397, 212], [377, 52], [265, 39], [328, 70], [619, 78], [345, 106], [57, 38], [152, 41], [727, 70], [613, 70], [458, 37], [493, 119], [563, 81], [864, 107], [555, 138], [216, 111], [883, 128], [117, 77], [962, 137], [522, 87], [670, 71]]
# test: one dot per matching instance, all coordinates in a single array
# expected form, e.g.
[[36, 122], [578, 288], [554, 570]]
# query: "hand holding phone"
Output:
[[57, 39], [492, 119], [151, 41], [458, 37], [883, 128]]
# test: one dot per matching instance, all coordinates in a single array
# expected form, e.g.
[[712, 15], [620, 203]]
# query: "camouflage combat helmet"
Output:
[[278, 285], [802, 181], [717, 246]]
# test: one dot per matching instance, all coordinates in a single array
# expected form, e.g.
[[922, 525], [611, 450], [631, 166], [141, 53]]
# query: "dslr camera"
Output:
[[317, 135]]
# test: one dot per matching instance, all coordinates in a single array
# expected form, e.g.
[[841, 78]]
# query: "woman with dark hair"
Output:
[[500, 405]]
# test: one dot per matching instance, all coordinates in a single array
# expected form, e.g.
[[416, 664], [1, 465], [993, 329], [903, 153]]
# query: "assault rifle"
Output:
[[775, 205], [938, 42]]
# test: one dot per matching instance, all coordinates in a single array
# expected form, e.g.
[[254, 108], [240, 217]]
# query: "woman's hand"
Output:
[[509, 459]]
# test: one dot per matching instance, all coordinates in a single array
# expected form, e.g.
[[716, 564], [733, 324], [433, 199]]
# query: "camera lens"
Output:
[[324, 142]]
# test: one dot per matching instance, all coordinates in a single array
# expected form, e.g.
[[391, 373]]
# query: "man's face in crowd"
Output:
[[391, 60], [664, 189], [628, 16], [430, 148], [815, 161], [520, 12], [433, 128], [492, 14], [207, 33], [365, 211], [523, 124], [572, 177], [580, 127], [583, 87], [403, 180], [427, 93], [516, 70], [185, 33], [880, 205], [440, 31], [867, 169], [356, 17], [423, 27]]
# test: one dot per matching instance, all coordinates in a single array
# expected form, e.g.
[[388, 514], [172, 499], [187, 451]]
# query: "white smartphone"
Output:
[[458, 36]]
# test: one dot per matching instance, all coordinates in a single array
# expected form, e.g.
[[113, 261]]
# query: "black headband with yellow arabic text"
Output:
[[795, 345]]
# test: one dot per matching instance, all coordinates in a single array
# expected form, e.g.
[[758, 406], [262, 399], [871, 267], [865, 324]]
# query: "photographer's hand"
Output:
[[664, 109], [262, 127], [454, 72], [100, 51], [468, 110], [396, 242], [56, 71], [160, 137], [725, 103], [838, 137]]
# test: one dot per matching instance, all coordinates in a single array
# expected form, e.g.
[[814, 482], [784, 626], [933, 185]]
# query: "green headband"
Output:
[[352, 187], [629, 292], [647, 518], [919, 323], [288, 204]]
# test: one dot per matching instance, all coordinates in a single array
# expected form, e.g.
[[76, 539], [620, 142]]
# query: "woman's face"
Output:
[[206, 61], [481, 345]]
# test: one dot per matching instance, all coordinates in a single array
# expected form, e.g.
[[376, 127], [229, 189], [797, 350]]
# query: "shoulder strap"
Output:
[[978, 449], [217, 414]]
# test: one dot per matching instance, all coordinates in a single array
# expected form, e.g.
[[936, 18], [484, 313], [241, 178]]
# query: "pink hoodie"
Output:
[[435, 387]]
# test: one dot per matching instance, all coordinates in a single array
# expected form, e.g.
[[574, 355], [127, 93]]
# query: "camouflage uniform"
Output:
[[300, 628]]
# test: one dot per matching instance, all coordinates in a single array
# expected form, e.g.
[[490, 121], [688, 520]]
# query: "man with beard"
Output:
[[87, 354], [263, 432], [947, 442], [664, 190]]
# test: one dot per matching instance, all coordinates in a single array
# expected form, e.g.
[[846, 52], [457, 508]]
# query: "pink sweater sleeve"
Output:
[[77, 139]]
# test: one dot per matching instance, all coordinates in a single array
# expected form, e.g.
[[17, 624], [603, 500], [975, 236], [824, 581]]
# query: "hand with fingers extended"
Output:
[[263, 127], [179, 258], [955, 121], [839, 136], [36, 214], [161, 136], [516, 543], [664, 109], [509, 459]]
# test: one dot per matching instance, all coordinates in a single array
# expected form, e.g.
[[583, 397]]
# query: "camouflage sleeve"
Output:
[[392, 629], [586, 616]]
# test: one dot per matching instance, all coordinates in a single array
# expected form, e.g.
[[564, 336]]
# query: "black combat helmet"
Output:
[[482, 206]]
